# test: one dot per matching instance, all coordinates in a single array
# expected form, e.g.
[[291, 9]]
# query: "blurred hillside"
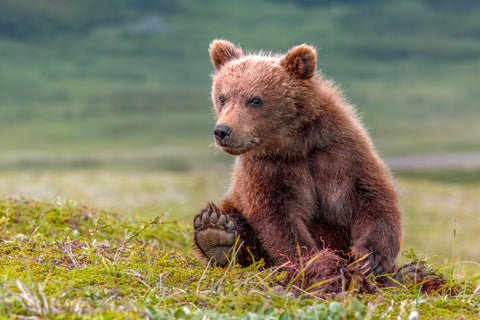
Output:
[[81, 81]]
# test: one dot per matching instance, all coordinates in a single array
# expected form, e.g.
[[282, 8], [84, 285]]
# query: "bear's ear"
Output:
[[222, 51], [300, 61]]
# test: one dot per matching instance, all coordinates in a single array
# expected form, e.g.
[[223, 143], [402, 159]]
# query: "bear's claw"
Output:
[[215, 235], [373, 265]]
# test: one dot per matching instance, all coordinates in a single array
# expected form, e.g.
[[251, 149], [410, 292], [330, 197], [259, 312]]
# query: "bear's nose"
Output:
[[222, 133]]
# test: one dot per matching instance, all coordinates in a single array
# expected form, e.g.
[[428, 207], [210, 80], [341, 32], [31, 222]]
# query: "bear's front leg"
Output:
[[214, 235], [283, 239], [376, 237]]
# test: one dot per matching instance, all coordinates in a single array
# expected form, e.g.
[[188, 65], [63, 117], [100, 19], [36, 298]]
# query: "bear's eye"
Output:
[[221, 100], [255, 102]]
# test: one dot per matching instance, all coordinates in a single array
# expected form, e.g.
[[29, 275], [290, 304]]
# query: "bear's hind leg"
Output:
[[214, 235]]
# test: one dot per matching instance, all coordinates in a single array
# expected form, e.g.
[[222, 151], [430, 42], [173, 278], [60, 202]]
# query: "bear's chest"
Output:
[[267, 187], [334, 187]]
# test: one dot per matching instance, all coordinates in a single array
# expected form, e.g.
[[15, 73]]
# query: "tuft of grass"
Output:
[[65, 261]]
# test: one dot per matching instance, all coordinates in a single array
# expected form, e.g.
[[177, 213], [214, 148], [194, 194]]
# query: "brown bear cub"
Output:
[[306, 176]]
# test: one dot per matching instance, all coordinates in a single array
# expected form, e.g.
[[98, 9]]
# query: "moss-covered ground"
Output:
[[63, 261]]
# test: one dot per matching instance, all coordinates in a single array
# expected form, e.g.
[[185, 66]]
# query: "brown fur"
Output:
[[306, 172]]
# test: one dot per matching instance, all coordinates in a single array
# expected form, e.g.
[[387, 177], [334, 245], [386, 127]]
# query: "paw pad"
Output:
[[214, 234]]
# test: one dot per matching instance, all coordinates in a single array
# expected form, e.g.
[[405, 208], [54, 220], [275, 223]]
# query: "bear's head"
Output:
[[261, 100]]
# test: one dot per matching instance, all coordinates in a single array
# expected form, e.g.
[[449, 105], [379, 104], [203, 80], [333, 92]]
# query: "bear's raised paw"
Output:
[[214, 235]]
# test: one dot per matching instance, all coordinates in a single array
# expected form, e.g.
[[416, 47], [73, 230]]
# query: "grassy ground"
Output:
[[438, 213], [439, 221], [141, 194], [62, 261]]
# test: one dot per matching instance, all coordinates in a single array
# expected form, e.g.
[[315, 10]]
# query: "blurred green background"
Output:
[[107, 102]]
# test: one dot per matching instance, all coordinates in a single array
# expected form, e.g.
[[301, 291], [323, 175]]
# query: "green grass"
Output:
[[433, 207], [439, 220], [142, 194], [63, 261]]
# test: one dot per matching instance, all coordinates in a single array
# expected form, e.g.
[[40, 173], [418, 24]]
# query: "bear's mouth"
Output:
[[237, 150]]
